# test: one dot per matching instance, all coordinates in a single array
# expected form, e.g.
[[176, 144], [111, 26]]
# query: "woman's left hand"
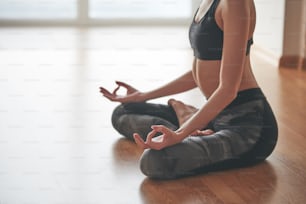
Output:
[[166, 139]]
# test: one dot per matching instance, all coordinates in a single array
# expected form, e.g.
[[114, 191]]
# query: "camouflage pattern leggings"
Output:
[[245, 133]]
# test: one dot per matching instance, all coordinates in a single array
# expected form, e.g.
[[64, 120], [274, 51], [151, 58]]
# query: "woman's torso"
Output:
[[206, 72]]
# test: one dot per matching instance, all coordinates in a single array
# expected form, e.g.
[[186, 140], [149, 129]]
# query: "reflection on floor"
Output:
[[57, 144]]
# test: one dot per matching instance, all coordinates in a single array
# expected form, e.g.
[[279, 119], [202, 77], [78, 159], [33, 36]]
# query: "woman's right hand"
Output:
[[132, 94]]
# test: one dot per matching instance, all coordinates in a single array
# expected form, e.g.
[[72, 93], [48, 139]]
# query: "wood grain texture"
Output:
[[57, 144], [289, 62]]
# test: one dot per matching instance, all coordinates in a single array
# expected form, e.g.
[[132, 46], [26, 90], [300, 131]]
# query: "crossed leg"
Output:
[[184, 112]]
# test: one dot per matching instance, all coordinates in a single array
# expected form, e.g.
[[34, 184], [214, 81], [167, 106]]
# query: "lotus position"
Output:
[[234, 128]]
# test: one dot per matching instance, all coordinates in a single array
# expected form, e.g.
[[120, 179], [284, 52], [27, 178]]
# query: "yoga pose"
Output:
[[234, 128]]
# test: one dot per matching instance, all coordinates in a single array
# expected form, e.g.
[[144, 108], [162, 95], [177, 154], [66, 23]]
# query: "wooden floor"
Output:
[[57, 144]]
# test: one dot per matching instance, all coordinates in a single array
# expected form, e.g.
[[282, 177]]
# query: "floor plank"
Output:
[[57, 144]]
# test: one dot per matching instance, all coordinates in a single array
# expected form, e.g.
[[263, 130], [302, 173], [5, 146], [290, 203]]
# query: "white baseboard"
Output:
[[266, 55]]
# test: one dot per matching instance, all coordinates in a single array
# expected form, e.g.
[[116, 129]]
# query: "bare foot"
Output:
[[183, 111]]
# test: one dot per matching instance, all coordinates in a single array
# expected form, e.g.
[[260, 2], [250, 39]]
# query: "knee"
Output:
[[156, 165], [119, 121], [118, 111]]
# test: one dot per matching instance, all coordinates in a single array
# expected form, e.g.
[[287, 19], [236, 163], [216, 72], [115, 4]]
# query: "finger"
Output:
[[116, 89], [200, 133], [194, 133], [161, 142], [128, 87], [153, 144], [207, 132], [162, 129], [203, 132], [139, 141], [120, 83], [150, 136], [109, 96], [157, 145], [170, 101], [104, 91]]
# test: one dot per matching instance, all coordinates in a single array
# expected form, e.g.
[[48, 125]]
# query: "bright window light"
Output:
[[112, 9], [38, 9]]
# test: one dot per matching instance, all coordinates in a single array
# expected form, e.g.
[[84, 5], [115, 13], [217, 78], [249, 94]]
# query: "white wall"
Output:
[[294, 28], [304, 28], [270, 25]]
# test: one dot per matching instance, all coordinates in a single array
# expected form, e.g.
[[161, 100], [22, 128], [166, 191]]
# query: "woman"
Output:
[[235, 127]]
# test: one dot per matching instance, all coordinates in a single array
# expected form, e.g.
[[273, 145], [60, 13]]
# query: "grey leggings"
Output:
[[245, 134]]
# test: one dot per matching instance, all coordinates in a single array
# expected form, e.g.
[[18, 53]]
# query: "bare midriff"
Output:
[[206, 75]]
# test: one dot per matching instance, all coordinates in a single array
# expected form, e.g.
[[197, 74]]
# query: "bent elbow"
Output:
[[229, 93]]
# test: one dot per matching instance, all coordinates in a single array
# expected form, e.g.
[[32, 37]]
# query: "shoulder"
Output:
[[231, 12], [235, 2], [230, 7], [235, 9]]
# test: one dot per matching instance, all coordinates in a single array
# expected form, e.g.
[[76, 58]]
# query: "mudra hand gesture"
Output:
[[132, 94]]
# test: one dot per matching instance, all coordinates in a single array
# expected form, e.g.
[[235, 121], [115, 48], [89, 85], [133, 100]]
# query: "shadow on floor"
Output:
[[254, 184]]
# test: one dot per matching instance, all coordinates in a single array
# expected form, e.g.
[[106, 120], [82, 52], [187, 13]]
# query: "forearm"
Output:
[[179, 85], [216, 103]]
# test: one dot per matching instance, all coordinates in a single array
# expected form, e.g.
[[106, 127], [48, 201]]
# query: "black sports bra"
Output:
[[206, 37]]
